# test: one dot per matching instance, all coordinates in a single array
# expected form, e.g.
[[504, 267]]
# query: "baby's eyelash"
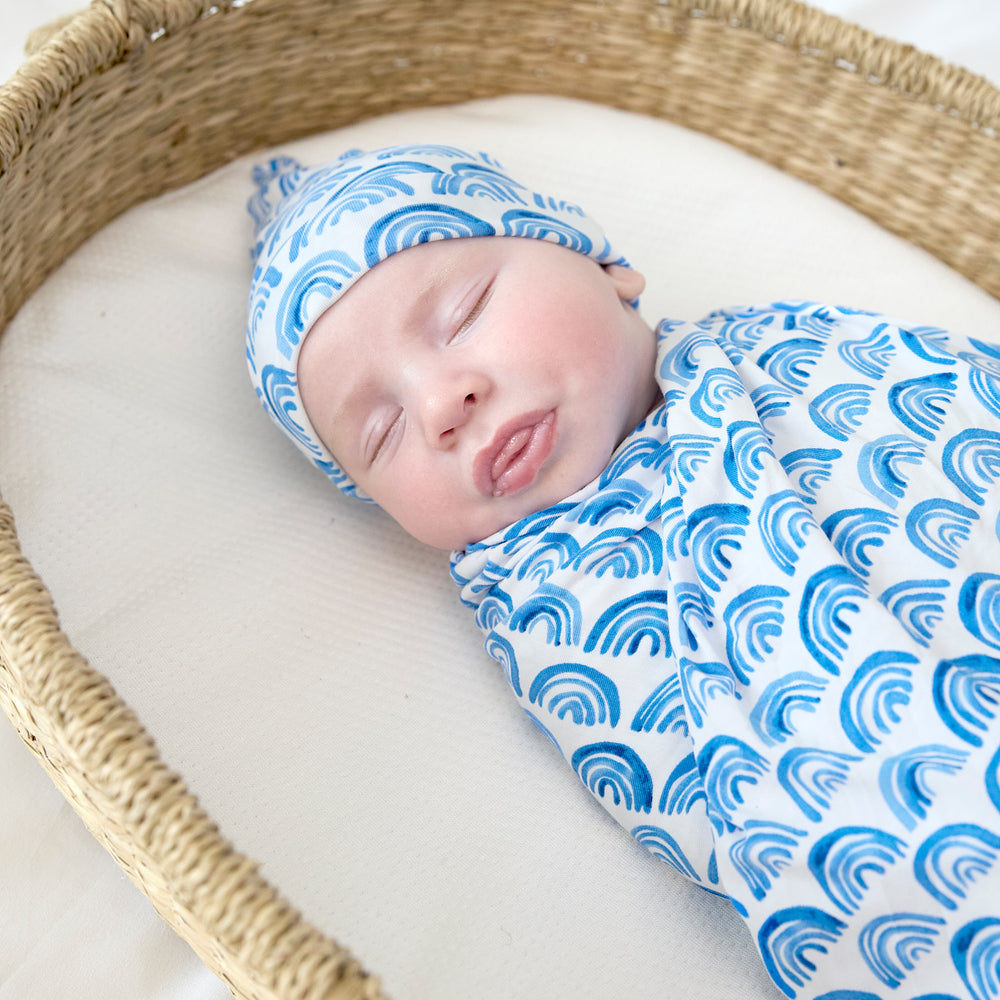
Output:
[[474, 312], [384, 437]]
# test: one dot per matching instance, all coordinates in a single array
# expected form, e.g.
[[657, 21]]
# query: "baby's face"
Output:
[[466, 383]]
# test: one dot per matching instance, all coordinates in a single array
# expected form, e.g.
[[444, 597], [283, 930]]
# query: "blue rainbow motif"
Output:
[[918, 605], [811, 776], [674, 528], [415, 224], [618, 494], [503, 652], [871, 355], [268, 279], [827, 597], [680, 363], [760, 855], [975, 953], [784, 522], [949, 861], [845, 859], [616, 770], [786, 936], [658, 418], [986, 388], [554, 550], [966, 691], [744, 329], [771, 402], [538, 225], [694, 608], [856, 529], [733, 353], [971, 460], [920, 403], [662, 710], [753, 619], [880, 466], [891, 945], [686, 454], [713, 528], [488, 577], [727, 763], [553, 608], [630, 624], [795, 691], [481, 180], [903, 779], [790, 361], [808, 317], [839, 410], [939, 527], [522, 533], [660, 844], [872, 698], [646, 452], [345, 190], [701, 683], [583, 693], [625, 553], [494, 610], [683, 788], [979, 607], [279, 394], [623, 497], [810, 469], [993, 780], [929, 343], [717, 387], [984, 358], [745, 454]]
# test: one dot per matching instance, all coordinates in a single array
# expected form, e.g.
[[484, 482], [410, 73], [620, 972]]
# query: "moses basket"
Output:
[[132, 98]]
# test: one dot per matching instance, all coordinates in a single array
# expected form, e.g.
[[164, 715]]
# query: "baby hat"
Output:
[[321, 229]]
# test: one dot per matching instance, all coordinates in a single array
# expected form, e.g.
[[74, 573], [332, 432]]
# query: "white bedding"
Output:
[[295, 753]]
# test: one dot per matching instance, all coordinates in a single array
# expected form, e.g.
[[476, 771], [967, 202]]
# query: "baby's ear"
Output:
[[629, 283]]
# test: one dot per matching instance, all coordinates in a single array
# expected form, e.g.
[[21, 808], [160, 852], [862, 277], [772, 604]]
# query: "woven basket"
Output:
[[131, 98]]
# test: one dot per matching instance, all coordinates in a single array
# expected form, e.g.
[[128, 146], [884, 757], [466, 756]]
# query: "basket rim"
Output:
[[104, 35], [109, 31]]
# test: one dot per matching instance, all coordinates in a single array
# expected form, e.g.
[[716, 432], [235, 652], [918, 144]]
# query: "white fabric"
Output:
[[459, 887]]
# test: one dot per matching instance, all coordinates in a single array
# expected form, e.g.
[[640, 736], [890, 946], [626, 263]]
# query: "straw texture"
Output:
[[131, 98]]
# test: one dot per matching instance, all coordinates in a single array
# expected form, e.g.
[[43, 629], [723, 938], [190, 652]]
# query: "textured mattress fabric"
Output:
[[767, 639]]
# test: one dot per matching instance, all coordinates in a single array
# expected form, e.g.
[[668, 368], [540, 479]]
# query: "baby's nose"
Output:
[[448, 407]]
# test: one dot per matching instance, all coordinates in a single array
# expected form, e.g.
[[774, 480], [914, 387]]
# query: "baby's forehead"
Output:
[[409, 286]]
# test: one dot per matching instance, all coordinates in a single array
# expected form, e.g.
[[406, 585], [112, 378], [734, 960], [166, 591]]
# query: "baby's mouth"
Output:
[[513, 459]]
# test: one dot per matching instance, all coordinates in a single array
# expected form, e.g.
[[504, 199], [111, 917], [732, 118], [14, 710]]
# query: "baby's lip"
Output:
[[512, 460]]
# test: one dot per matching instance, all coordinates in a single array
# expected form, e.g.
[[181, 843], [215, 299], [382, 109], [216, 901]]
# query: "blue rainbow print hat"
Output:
[[321, 229]]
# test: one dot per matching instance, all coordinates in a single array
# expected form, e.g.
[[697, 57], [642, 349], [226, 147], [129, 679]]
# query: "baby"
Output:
[[743, 572]]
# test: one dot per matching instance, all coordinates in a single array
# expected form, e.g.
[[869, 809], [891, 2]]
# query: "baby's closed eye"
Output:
[[473, 314], [382, 434]]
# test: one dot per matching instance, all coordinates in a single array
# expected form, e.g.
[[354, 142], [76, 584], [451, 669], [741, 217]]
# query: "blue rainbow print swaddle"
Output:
[[767, 639]]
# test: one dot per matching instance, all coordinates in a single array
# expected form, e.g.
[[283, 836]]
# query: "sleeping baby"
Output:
[[744, 572]]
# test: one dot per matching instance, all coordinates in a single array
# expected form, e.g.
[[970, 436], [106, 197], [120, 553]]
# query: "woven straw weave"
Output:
[[131, 98]]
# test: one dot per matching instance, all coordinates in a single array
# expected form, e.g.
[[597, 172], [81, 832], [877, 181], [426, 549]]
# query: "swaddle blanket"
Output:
[[767, 639]]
